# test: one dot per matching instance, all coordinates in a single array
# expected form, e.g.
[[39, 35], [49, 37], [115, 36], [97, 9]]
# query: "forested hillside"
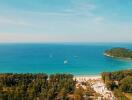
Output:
[[120, 82], [119, 52]]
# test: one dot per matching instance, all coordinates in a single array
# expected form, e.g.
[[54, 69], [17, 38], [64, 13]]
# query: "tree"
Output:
[[78, 93], [126, 84]]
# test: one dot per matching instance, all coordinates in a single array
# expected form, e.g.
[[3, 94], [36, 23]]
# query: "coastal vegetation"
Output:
[[120, 82], [119, 53], [36, 86], [43, 87], [62, 86]]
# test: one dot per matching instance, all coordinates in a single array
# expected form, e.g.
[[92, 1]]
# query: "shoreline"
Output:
[[123, 58]]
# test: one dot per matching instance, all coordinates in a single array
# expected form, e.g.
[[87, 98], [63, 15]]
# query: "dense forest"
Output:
[[120, 82], [42, 87], [36, 86], [119, 52]]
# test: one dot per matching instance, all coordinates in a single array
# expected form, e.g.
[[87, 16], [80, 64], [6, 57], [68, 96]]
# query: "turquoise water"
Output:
[[78, 59]]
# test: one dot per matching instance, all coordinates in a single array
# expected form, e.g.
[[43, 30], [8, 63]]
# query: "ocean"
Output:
[[77, 59]]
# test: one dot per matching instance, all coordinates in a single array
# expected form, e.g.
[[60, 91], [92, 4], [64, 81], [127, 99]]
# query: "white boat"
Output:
[[65, 62]]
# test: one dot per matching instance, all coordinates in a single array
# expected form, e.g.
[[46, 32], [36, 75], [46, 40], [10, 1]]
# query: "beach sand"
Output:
[[86, 78]]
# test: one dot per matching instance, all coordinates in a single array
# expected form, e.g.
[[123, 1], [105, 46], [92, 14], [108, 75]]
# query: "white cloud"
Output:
[[65, 13], [10, 21], [97, 35], [86, 6], [76, 8], [5, 37], [98, 19], [76, 23]]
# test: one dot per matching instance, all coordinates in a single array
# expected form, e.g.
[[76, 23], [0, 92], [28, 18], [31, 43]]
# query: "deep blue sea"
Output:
[[77, 59]]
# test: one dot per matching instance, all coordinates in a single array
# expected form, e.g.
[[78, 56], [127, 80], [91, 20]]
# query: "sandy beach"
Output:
[[87, 77]]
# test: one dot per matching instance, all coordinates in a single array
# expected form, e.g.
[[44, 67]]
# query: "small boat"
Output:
[[65, 62]]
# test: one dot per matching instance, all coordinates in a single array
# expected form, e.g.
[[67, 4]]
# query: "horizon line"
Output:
[[61, 42]]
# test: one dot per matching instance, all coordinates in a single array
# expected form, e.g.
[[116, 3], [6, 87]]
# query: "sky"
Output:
[[65, 21]]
